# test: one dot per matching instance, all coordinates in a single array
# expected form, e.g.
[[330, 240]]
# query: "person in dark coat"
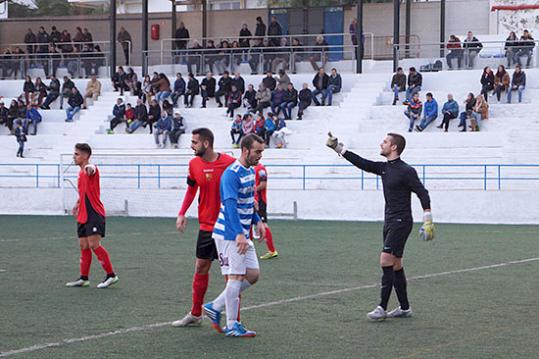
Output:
[[207, 88], [290, 100], [487, 82], [398, 84], [274, 31], [305, 97], [260, 30], [245, 35], [233, 101], [225, 86], [320, 83], [192, 90]]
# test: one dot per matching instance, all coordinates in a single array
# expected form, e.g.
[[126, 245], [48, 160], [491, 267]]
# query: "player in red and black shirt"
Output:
[[205, 172], [90, 214], [261, 200]]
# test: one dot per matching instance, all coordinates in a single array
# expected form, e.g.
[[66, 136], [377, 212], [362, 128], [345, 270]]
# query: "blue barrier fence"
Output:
[[156, 175]]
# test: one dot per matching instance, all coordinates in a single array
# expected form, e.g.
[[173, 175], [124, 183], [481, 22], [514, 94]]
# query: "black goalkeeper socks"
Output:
[[400, 289], [387, 285]]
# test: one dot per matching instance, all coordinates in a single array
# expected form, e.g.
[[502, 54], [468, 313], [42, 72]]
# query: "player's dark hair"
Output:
[[205, 134], [84, 147], [399, 141], [247, 141]]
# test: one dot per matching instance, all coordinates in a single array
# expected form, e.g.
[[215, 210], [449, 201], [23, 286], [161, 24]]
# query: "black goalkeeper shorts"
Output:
[[396, 234]]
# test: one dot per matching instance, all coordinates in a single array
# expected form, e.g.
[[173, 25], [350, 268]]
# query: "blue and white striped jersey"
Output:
[[237, 183]]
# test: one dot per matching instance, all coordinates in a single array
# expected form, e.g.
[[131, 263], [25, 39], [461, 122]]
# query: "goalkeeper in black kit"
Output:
[[399, 180]]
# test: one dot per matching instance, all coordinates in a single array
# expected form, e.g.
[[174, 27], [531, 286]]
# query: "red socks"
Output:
[[85, 262], [269, 240], [200, 285], [104, 259]]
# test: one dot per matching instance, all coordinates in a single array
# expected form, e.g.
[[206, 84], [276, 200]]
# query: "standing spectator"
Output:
[[225, 86], [194, 57], [239, 82], [469, 105], [33, 117], [118, 80], [480, 112], [162, 129], [43, 39], [163, 88], [21, 138], [269, 81], [277, 97], [248, 125], [118, 115], [6, 63], [518, 83], [87, 38], [67, 90], [260, 30], [274, 32], [415, 80], [334, 85], [525, 48], [207, 88], [30, 39], [179, 89], [413, 112], [249, 98], [502, 81], [472, 47], [75, 102], [124, 38], [319, 53], [320, 83], [450, 111], [430, 114], [290, 100], [154, 113], [487, 82], [65, 40], [41, 91], [263, 98], [398, 84], [78, 38], [305, 97], [54, 93], [235, 131], [352, 29], [181, 38], [269, 128], [55, 35], [245, 36], [93, 90], [178, 128], [234, 101], [28, 88], [283, 80], [192, 91], [455, 51], [511, 47], [141, 117]]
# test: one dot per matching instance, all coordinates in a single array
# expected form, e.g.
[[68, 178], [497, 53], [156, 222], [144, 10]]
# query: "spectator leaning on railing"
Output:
[[245, 35], [319, 53], [124, 38], [455, 51], [398, 84], [472, 47], [525, 48]]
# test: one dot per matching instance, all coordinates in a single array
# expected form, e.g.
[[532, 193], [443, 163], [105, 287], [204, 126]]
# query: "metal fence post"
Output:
[[362, 180], [37, 176], [158, 176], [499, 177], [424, 176], [304, 177], [138, 176], [485, 177]]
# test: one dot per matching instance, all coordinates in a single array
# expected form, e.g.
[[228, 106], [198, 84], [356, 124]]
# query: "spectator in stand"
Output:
[[88, 38], [450, 111], [131, 80], [129, 116], [282, 56], [277, 98], [124, 38], [55, 35], [480, 112], [54, 93], [259, 126], [290, 100], [21, 138], [248, 125], [472, 47], [305, 97], [283, 79], [239, 82], [207, 88], [13, 113], [280, 132], [75, 102], [260, 30], [223, 58], [525, 48], [274, 32], [334, 85], [430, 114], [234, 101], [93, 90], [6, 63], [263, 98], [79, 37], [162, 129], [118, 80], [154, 113], [65, 40], [298, 49], [194, 57], [211, 56], [167, 106], [225, 86], [147, 89], [255, 55], [30, 39], [55, 58], [502, 81], [163, 88], [43, 39], [413, 111], [269, 81], [235, 131], [469, 105], [67, 90], [28, 88], [192, 90], [237, 56], [455, 51], [245, 36], [320, 83], [518, 83], [511, 44], [41, 91], [487, 82], [352, 29], [178, 129], [179, 89], [181, 38], [415, 80], [118, 115], [319, 53], [269, 128], [249, 98], [33, 117], [4, 114], [141, 117], [398, 84]]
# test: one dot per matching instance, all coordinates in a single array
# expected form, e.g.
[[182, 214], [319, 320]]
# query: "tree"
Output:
[[41, 8]]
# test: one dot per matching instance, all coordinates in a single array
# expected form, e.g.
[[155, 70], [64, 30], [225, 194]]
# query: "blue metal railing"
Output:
[[159, 175]]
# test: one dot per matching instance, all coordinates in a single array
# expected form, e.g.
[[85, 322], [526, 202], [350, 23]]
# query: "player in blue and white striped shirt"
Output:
[[237, 254]]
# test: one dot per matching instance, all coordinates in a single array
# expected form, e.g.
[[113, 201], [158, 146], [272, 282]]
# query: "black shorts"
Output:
[[206, 248], [95, 223], [263, 211], [395, 235]]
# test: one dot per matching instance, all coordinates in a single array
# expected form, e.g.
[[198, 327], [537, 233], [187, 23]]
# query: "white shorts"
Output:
[[233, 263]]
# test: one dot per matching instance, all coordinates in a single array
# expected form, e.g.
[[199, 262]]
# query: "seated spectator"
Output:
[[239, 82], [277, 98], [297, 50], [234, 101], [147, 89], [487, 82], [455, 51], [415, 81], [4, 114], [194, 57], [450, 110], [28, 89], [93, 89], [192, 90], [305, 97], [283, 79], [75, 102], [398, 84], [223, 58], [131, 80], [178, 129], [430, 114], [319, 53], [518, 83], [469, 104], [502, 81], [290, 100], [320, 83], [269, 81], [225, 86], [20, 136], [269, 128], [179, 89], [118, 81], [249, 98], [167, 106], [247, 125], [480, 112], [211, 55], [280, 132], [13, 113], [413, 111], [162, 129], [525, 48], [41, 91], [129, 115], [33, 117], [141, 117], [21, 111], [282, 56], [263, 98], [472, 47], [255, 54], [54, 93], [235, 131], [237, 56], [163, 88], [259, 126], [118, 115], [207, 88], [67, 90], [334, 85], [154, 113], [510, 47]]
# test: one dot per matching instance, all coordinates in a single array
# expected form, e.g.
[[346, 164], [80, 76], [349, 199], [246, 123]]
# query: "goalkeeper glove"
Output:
[[334, 144], [427, 231]]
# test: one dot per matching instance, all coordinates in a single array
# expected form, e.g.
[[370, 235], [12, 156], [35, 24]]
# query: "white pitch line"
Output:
[[257, 306]]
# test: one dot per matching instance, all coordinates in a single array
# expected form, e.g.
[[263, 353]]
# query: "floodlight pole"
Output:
[[204, 22], [112, 37], [144, 37], [359, 36], [407, 26], [442, 27], [396, 33], [174, 24]]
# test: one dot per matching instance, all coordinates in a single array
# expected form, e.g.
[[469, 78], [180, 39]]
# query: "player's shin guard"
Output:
[[85, 263], [104, 259], [387, 285], [269, 240], [400, 289], [232, 301], [200, 285]]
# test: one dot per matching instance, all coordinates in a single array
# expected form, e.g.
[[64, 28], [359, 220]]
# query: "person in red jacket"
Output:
[[261, 204]]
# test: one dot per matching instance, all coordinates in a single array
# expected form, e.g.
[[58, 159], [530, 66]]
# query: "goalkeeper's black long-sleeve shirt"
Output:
[[399, 180]]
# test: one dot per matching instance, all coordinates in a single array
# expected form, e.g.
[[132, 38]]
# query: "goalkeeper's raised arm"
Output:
[[358, 161]]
